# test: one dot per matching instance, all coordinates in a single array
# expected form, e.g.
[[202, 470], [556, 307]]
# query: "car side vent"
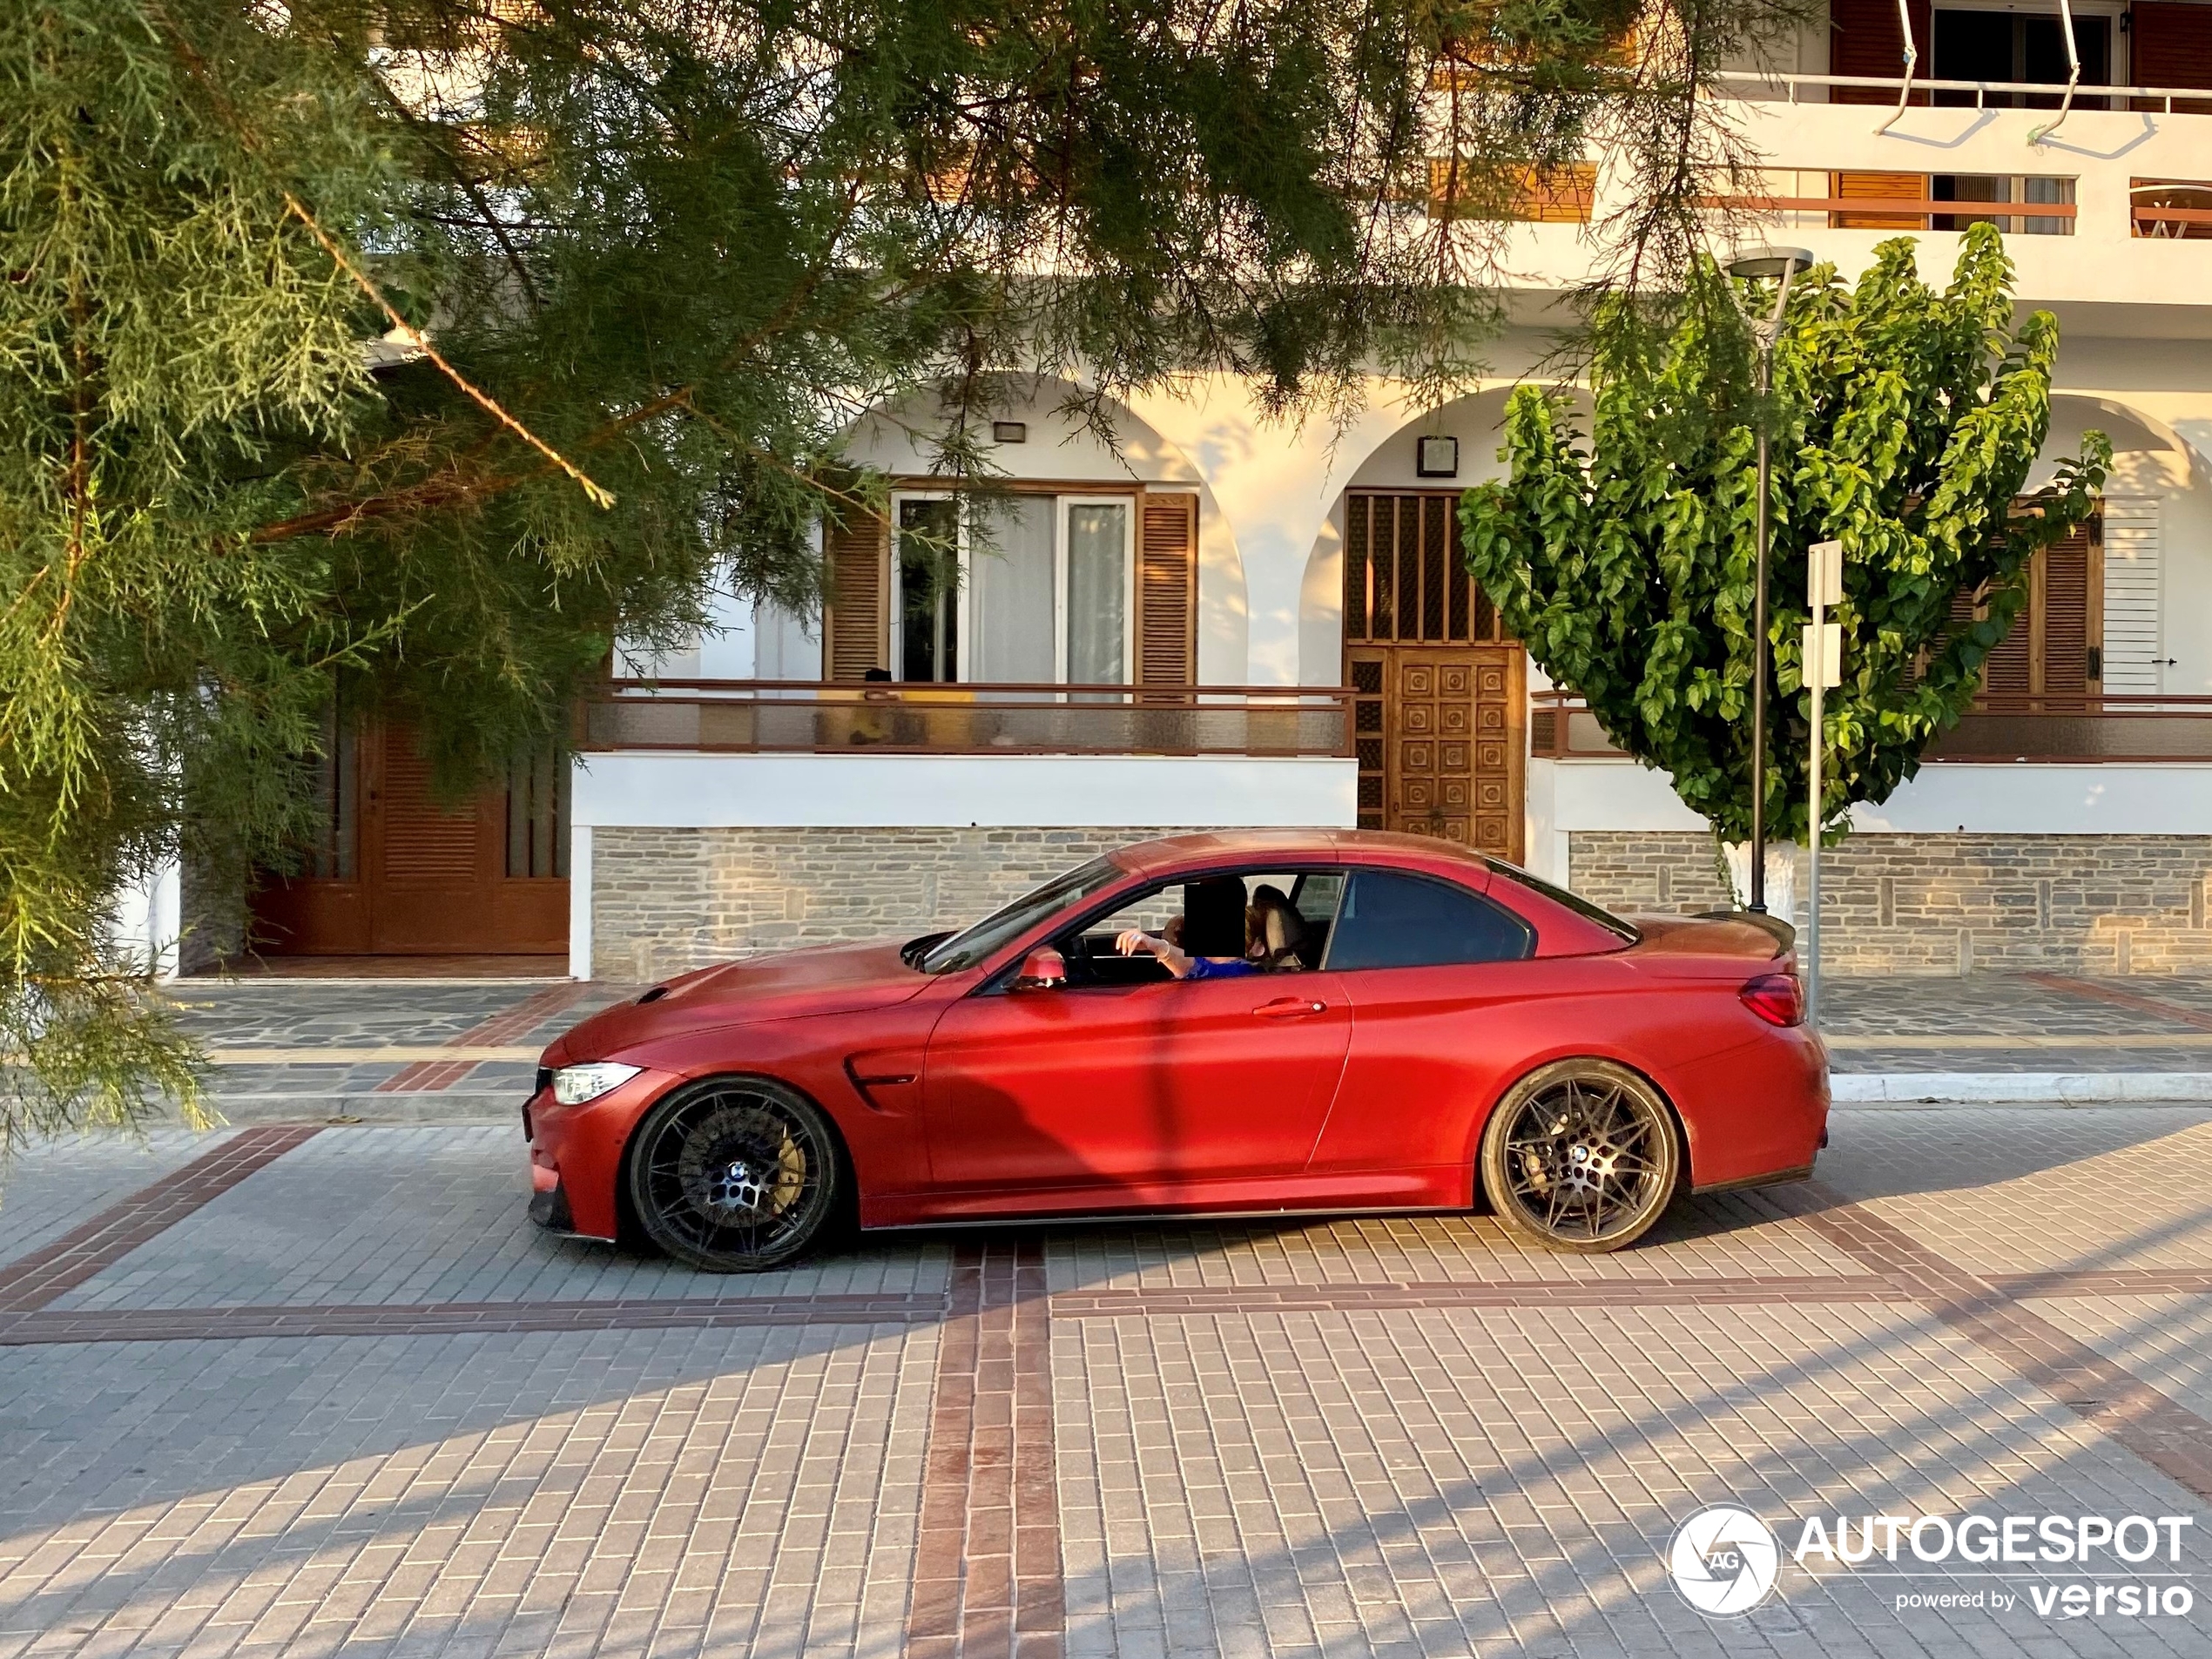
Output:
[[655, 994]]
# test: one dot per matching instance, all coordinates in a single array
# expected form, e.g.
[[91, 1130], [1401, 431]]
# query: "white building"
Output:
[[1294, 641]]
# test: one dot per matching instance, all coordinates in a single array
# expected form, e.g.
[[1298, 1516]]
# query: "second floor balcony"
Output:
[[1981, 127], [2073, 729], [885, 716]]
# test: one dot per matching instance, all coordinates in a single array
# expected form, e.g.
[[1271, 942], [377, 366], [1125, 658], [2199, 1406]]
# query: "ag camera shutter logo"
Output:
[[1724, 1560]]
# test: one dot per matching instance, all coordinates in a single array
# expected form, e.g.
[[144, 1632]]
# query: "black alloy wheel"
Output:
[[1580, 1155], [735, 1174]]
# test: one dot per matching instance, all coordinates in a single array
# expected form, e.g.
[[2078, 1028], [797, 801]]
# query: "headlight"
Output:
[[573, 1085]]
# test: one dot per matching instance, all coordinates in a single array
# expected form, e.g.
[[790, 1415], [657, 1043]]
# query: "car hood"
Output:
[[833, 979]]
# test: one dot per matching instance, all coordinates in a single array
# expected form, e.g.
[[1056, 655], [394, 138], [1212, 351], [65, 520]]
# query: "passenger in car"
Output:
[[1276, 935]]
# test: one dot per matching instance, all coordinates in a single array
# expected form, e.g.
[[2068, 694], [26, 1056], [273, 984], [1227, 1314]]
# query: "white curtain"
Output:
[[1098, 589], [1010, 594]]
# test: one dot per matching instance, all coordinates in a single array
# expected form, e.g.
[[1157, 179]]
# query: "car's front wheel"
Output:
[[735, 1174], [1580, 1155]]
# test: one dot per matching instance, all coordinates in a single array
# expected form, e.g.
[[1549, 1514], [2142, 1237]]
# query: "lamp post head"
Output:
[[1761, 264], [1755, 264]]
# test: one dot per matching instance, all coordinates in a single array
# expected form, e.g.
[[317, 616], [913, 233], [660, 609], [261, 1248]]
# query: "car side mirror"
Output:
[[1043, 969]]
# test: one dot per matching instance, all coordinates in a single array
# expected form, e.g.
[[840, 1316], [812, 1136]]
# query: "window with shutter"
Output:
[[1167, 600], [2171, 46], [857, 628], [1865, 39], [1879, 187]]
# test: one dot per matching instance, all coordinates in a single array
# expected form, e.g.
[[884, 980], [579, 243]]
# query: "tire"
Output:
[[1581, 1156], [736, 1175]]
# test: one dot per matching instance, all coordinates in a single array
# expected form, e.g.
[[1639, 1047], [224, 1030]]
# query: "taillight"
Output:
[[1776, 998]]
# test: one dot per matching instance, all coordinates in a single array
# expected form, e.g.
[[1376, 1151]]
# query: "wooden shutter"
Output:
[[2172, 47], [856, 634], [1880, 186], [2066, 596], [2055, 647], [1167, 590], [1863, 39], [2008, 670]]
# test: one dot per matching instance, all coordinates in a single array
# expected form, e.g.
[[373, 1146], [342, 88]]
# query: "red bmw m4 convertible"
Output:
[[1260, 1023]]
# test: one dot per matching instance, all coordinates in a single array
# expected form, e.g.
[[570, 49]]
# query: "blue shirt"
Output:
[[1200, 967]]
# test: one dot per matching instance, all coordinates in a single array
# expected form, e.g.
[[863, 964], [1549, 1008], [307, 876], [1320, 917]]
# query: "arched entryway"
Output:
[[1441, 691], [1440, 715]]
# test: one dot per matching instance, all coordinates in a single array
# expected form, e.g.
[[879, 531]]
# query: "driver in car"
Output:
[[1212, 937]]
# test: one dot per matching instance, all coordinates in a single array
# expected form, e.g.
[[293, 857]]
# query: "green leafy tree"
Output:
[[1905, 423], [405, 354]]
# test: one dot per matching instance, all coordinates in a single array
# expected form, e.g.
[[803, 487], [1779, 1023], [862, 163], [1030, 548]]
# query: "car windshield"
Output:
[[1579, 905], [971, 946]]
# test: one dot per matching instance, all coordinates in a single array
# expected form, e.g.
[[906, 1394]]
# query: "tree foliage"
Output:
[[1904, 424], [665, 254]]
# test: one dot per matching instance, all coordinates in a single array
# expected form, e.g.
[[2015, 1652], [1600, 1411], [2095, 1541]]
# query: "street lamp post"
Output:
[[1779, 265]]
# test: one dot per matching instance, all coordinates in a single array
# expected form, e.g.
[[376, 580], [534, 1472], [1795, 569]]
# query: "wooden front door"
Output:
[[1446, 761], [399, 872], [1441, 705]]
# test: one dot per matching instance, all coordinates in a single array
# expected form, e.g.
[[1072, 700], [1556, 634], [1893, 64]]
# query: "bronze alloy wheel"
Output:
[[735, 1174], [1581, 1156]]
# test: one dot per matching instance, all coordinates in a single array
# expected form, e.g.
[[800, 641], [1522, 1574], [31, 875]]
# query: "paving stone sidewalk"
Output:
[[342, 1400], [383, 1049]]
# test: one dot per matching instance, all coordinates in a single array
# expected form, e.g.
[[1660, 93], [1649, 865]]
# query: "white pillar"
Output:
[[579, 900], [149, 918]]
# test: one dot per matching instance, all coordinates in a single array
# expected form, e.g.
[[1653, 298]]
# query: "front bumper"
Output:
[[576, 1154], [550, 1208]]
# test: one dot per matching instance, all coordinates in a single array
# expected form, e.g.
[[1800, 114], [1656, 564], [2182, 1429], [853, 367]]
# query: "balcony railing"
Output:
[[1773, 84], [1562, 727], [808, 717], [2076, 729], [1857, 199], [2081, 728]]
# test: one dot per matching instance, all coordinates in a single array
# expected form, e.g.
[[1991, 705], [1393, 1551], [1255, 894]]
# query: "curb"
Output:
[[1846, 1089], [428, 1106], [2019, 1088]]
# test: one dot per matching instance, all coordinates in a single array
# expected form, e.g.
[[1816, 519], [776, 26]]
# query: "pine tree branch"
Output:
[[196, 65]]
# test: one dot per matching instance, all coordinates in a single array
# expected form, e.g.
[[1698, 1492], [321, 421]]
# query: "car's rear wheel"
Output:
[[1580, 1155], [735, 1174]]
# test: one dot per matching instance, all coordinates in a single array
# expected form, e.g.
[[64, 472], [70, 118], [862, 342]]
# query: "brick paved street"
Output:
[[329, 1393]]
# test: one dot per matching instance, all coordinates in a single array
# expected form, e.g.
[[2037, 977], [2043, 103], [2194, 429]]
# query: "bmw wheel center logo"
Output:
[[1724, 1560]]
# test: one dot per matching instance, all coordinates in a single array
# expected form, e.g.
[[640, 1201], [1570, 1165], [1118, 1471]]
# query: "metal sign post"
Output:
[[1824, 661]]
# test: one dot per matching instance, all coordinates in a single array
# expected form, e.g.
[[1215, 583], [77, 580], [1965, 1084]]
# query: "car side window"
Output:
[[1392, 919], [1280, 924]]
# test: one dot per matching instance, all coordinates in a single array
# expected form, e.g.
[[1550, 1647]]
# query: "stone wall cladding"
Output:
[[664, 901], [1952, 904]]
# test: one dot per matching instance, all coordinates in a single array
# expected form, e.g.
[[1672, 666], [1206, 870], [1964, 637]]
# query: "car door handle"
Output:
[[1290, 1008]]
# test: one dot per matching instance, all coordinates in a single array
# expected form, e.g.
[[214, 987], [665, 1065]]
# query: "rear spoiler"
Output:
[[1784, 936]]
